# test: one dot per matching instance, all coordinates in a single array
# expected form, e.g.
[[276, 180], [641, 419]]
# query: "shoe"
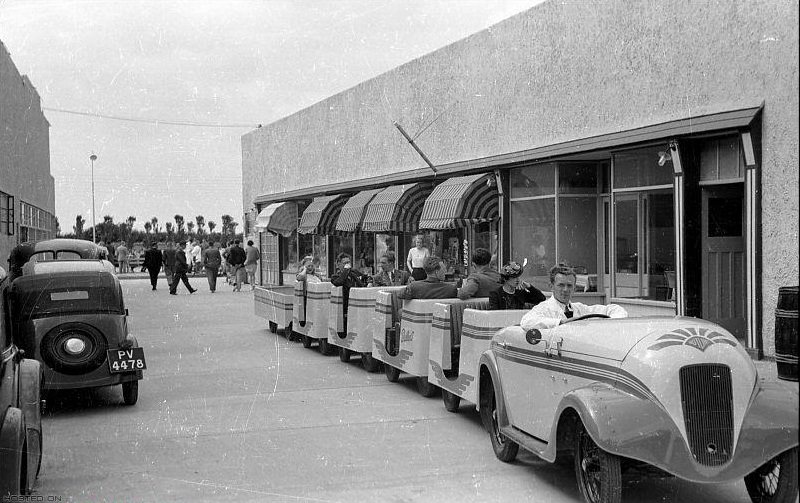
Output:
[[154, 289], [192, 291], [173, 293]]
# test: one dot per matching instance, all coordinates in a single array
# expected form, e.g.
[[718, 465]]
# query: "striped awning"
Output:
[[321, 215], [396, 208], [353, 211], [459, 201], [280, 218]]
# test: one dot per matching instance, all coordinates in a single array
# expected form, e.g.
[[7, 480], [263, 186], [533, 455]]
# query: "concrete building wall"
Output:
[[24, 147], [563, 71]]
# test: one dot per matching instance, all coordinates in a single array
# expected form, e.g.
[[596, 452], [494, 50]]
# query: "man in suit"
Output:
[[153, 262], [388, 275], [181, 267], [168, 260], [432, 287]]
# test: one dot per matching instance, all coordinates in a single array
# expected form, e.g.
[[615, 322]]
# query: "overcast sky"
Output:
[[231, 63]]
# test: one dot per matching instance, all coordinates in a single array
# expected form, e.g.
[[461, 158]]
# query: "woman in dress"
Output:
[[308, 272], [514, 293], [416, 257]]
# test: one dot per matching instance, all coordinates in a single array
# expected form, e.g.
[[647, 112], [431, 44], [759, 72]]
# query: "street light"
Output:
[[94, 237]]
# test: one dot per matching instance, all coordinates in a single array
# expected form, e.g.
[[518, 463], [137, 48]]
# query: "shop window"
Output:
[[386, 243], [270, 259], [577, 233], [6, 214], [577, 178], [364, 256], [533, 181], [486, 235], [639, 168], [449, 245], [290, 257], [533, 227], [644, 227], [320, 253]]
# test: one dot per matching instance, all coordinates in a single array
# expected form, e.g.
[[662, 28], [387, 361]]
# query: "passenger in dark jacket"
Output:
[[153, 262], [483, 280], [514, 293], [168, 257], [181, 267], [236, 258], [346, 278], [432, 287]]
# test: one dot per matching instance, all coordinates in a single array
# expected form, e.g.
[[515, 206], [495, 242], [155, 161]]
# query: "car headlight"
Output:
[[75, 346]]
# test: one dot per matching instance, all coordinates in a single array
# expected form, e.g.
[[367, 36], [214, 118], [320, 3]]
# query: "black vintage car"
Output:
[[70, 315], [20, 410]]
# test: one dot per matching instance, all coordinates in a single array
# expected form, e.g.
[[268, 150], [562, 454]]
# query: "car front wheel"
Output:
[[505, 449], [599, 473], [776, 480]]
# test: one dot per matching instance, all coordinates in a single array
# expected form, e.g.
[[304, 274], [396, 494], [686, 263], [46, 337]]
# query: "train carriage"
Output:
[[276, 305]]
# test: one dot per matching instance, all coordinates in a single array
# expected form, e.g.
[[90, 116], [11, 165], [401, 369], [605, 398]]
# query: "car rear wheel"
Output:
[[344, 354], [451, 401], [130, 392], [392, 373], [776, 480], [599, 473], [425, 387], [370, 363], [505, 449]]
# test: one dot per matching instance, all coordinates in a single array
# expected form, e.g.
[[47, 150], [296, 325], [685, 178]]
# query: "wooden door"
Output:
[[723, 243]]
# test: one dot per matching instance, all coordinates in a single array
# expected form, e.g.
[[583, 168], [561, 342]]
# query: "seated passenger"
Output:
[[558, 309], [347, 278], [388, 275], [307, 272], [514, 293], [484, 280], [432, 287]]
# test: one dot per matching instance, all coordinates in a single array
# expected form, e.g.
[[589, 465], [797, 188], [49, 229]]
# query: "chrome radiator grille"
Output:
[[707, 398]]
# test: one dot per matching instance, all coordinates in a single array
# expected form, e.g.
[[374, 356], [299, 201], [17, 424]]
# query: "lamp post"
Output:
[[94, 231]]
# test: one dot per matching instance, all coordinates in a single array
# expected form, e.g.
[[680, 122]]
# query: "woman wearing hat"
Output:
[[514, 293]]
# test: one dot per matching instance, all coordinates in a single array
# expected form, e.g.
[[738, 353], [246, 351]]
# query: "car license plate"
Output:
[[126, 360]]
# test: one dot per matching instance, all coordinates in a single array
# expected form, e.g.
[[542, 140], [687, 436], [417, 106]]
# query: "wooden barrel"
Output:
[[786, 333]]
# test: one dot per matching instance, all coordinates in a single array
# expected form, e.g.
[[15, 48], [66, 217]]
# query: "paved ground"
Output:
[[228, 410]]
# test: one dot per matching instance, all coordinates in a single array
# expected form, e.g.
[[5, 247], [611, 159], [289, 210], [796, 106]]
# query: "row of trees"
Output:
[[181, 229]]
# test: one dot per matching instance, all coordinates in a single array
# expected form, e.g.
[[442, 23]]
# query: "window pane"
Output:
[[364, 260], [627, 245], [577, 233], [320, 254], [384, 243], [289, 258], [533, 237], [639, 168], [725, 217], [577, 178], [532, 181]]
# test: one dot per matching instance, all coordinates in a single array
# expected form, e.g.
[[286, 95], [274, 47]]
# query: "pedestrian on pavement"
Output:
[[211, 261], [122, 257], [236, 258], [169, 256], [197, 257], [181, 267], [153, 262], [251, 263]]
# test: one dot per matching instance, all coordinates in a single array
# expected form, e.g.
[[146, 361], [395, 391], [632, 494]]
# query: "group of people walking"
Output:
[[239, 264]]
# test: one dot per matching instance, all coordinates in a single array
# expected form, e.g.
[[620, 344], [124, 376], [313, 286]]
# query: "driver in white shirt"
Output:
[[559, 309]]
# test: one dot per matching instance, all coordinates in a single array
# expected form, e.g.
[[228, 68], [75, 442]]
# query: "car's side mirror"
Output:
[[533, 336]]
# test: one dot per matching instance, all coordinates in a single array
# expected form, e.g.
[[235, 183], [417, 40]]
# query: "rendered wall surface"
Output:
[[563, 71], [24, 146]]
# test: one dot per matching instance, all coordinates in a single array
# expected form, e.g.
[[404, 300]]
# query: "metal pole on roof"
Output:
[[411, 141], [94, 230]]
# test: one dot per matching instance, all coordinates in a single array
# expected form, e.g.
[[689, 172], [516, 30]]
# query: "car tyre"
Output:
[[344, 354], [370, 363], [451, 401], [306, 341], [392, 373], [775, 481], [598, 473], [425, 387], [130, 392], [504, 448], [325, 347]]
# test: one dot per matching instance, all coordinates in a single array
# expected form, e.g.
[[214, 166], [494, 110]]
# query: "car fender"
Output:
[[12, 442], [488, 361], [638, 428], [30, 388]]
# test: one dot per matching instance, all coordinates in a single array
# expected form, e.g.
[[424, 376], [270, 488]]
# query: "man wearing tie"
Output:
[[559, 309], [388, 275]]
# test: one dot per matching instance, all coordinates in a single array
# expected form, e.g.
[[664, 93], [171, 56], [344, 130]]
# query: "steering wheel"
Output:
[[589, 316]]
